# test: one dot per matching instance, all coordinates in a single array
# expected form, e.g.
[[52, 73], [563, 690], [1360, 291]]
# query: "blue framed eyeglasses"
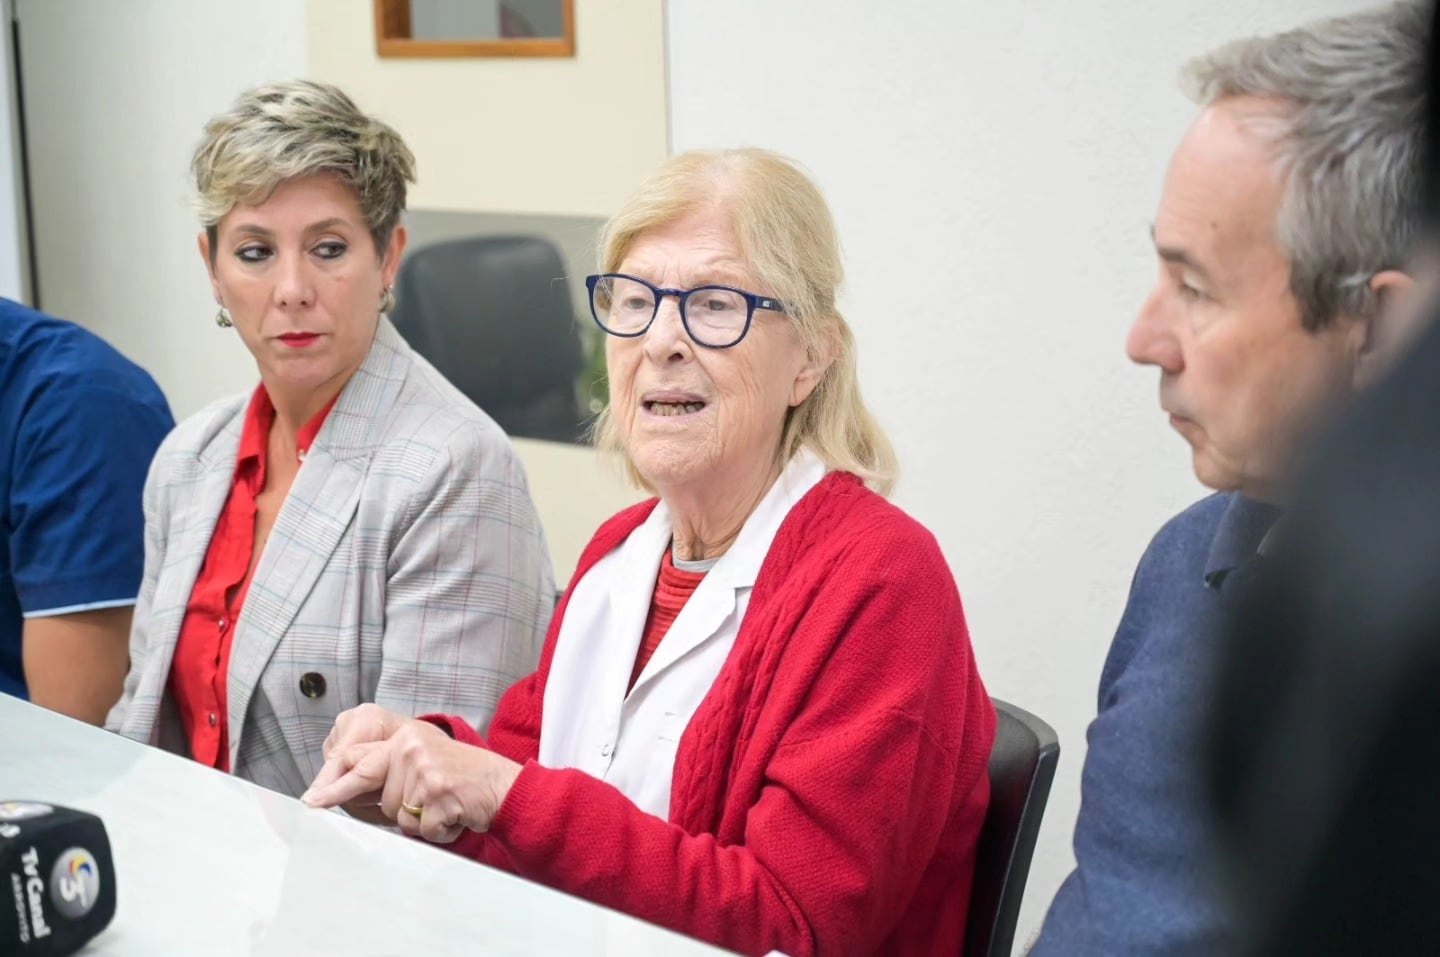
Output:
[[716, 317]]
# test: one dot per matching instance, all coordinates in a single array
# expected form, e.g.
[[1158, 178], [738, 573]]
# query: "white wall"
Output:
[[14, 281], [116, 96], [994, 168]]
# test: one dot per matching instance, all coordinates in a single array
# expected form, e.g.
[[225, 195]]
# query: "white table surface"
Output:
[[207, 864]]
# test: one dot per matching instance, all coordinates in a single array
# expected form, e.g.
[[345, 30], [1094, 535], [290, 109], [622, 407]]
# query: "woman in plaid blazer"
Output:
[[355, 530]]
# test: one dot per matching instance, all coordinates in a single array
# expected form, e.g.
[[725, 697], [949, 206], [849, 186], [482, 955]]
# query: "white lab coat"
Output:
[[589, 722]]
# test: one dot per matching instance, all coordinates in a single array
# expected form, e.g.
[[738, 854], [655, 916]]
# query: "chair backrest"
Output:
[[493, 314], [1022, 766]]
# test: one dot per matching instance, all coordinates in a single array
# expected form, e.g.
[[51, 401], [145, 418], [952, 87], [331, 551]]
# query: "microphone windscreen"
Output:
[[59, 878]]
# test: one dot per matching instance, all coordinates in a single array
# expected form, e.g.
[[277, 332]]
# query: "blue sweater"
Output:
[[79, 424], [1142, 840]]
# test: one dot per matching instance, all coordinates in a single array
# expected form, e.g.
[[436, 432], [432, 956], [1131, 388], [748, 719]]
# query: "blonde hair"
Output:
[[282, 131], [787, 237]]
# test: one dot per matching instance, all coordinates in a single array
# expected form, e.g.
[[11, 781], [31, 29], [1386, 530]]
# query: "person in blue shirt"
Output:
[[1283, 238], [79, 424]]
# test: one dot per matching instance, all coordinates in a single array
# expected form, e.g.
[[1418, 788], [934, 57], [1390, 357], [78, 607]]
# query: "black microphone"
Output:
[[58, 879]]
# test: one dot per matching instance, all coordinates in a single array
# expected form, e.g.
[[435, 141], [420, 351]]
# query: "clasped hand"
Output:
[[384, 768]]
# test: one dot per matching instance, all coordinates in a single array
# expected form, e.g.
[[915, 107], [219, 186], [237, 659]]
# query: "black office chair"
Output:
[[1022, 766], [493, 315]]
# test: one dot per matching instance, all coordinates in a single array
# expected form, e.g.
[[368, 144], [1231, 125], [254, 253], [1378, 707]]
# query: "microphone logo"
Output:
[[22, 810], [75, 883]]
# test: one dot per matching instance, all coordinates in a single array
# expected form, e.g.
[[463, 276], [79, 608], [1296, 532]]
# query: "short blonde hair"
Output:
[[787, 237], [281, 131]]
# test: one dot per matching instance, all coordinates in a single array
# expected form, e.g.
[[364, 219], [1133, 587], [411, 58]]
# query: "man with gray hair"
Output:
[[1283, 237]]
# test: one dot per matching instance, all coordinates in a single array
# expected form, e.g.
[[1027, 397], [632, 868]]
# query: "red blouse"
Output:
[[202, 652], [673, 589]]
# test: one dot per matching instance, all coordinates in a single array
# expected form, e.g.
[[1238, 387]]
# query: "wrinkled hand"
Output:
[[364, 724], [455, 786], [361, 724]]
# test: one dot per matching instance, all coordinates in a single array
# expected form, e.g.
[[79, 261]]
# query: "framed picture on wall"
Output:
[[475, 28]]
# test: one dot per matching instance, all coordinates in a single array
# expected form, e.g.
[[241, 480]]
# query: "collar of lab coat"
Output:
[[638, 561]]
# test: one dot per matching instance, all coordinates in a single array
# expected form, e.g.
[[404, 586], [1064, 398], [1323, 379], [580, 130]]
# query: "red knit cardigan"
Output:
[[828, 793]]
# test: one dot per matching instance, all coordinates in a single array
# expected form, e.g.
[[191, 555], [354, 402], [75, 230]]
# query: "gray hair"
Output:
[[282, 131], [1350, 93]]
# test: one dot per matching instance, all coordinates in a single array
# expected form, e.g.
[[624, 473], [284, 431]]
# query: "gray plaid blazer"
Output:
[[406, 567]]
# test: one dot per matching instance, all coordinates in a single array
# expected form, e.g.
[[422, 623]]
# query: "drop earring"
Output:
[[222, 318]]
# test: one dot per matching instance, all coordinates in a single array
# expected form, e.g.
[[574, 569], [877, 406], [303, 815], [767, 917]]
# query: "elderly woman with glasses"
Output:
[[757, 718]]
